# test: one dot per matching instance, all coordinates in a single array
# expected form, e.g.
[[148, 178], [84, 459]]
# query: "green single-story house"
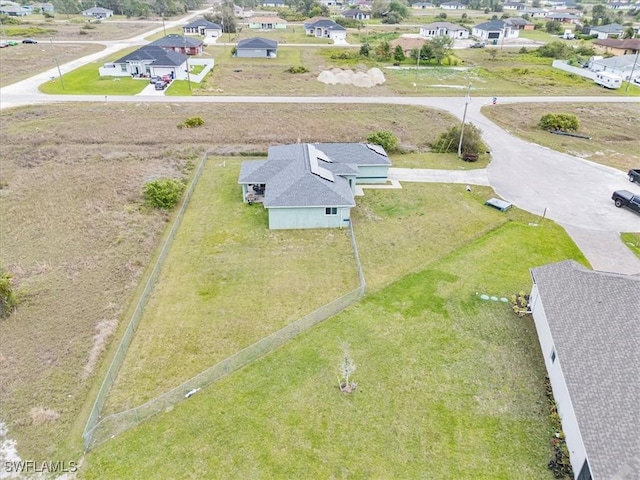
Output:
[[312, 185]]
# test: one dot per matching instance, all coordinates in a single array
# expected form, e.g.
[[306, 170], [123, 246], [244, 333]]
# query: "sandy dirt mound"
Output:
[[368, 79]]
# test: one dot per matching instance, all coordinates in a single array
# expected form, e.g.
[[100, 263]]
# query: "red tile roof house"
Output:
[[588, 326]]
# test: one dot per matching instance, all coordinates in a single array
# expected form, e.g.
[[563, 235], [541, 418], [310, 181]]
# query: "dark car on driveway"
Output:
[[160, 85], [154, 80], [477, 45], [624, 198], [29, 40]]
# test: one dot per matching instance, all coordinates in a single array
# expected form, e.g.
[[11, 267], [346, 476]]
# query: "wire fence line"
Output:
[[99, 430], [129, 333]]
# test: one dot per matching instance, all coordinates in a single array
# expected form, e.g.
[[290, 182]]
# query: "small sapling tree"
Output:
[[347, 368]]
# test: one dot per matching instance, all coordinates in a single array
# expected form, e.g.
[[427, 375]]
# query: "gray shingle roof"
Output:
[[291, 183], [491, 26], [594, 319], [201, 22], [611, 28], [257, 42], [158, 56], [328, 24], [177, 41]]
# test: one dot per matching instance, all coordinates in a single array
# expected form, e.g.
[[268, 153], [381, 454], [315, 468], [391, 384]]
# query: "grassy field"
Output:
[[86, 80], [76, 28], [76, 239], [612, 143], [447, 161], [208, 306], [447, 384], [23, 61]]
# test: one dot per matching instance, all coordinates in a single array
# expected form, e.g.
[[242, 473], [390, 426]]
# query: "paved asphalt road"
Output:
[[574, 192]]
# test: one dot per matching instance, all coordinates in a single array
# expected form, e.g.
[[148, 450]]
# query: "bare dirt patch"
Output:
[[611, 128], [76, 237]]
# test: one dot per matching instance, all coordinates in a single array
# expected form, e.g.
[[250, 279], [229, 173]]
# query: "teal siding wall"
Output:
[[310, 217], [373, 174]]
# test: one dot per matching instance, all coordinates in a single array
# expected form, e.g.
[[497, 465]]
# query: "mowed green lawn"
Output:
[[86, 80], [450, 386], [228, 282]]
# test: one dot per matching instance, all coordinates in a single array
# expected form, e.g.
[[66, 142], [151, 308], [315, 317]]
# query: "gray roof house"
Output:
[[494, 30], [325, 28], [257, 47], [438, 29], [98, 12], [311, 185], [356, 14], [588, 326], [150, 60], [202, 27], [605, 31]]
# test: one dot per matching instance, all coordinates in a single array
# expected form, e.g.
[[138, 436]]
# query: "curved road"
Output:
[[572, 191]]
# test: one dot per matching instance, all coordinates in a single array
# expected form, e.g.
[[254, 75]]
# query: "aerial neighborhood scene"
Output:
[[320, 239]]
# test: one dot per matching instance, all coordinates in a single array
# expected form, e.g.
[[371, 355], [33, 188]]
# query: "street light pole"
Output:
[[464, 116], [57, 64]]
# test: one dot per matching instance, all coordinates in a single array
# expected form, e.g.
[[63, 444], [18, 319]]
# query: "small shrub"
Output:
[[471, 140], [8, 300], [385, 139], [192, 122], [164, 193], [84, 32], [297, 69], [88, 26], [565, 122]]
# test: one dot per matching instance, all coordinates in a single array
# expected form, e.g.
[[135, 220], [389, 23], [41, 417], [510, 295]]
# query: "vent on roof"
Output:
[[377, 148], [317, 169]]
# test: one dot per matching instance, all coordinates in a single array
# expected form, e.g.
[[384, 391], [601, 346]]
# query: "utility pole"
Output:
[[188, 68], [57, 64], [635, 62], [464, 116], [164, 30]]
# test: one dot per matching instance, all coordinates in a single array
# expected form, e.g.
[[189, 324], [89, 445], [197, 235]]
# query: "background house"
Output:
[[615, 46], [356, 14], [453, 6], [439, 29], [178, 43], [620, 66], [588, 326], [98, 12], [267, 23], [14, 11], [257, 47], [606, 31], [421, 5], [494, 31], [407, 44], [519, 23], [311, 186], [43, 7], [517, 6], [148, 61], [204, 28], [326, 29]]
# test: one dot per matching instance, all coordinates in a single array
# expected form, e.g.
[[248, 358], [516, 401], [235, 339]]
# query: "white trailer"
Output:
[[608, 80]]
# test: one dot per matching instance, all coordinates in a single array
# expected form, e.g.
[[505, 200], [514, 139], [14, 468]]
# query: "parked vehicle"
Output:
[[624, 198], [167, 79], [4, 44], [477, 45], [568, 35], [12, 43], [608, 80], [154, 79], [29, 40], [160, 85], [634, 175]]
